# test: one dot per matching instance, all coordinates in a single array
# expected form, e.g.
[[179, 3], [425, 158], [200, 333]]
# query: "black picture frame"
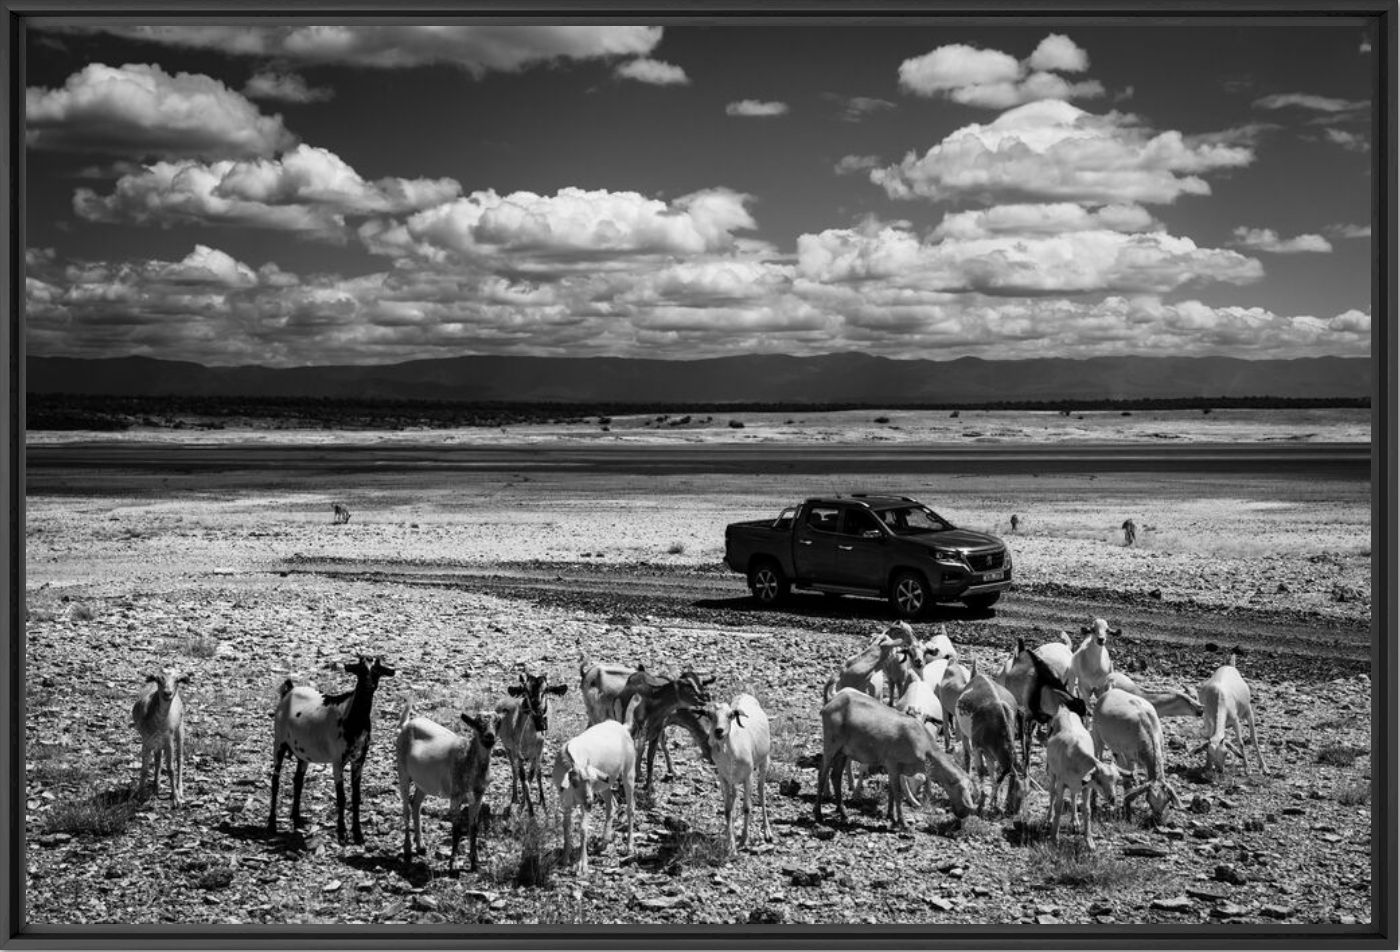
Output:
[[1381, 14]]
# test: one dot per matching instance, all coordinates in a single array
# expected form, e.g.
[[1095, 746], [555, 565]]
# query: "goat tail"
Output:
[[828, 690], [1234, 657], [284, 687], [407, 714]]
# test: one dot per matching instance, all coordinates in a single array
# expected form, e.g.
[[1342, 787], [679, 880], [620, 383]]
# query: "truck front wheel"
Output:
[[768, 583], [909, 595]]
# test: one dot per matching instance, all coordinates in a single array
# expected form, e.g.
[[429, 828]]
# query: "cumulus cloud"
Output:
[[857, 108], [755, 108], [1051, 150], [140, 110], [307, 189], [574, 228], [1049, 219], [478, 49], [286, 87], [1311, 102], [1025, 264], [992, 79], [1351, 141], [1266, 239], [654, 72], [852, 164], [1348, 231]]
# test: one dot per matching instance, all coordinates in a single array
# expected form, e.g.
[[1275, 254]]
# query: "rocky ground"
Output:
[[460, 584]]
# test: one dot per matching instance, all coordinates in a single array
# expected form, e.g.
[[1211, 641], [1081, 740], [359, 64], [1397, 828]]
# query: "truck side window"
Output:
[[821, 518], [859, 521]]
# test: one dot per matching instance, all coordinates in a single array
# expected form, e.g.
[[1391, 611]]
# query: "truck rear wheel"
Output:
[[768, 583], [909, 595]]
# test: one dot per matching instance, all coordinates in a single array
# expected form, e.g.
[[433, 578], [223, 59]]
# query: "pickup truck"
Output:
[[863, 544]]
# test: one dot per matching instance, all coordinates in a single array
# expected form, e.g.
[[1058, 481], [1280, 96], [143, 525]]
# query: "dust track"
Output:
[[1284, 643]]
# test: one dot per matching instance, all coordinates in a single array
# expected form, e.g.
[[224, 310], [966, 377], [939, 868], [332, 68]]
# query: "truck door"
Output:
[[814, 541], [862, 550]]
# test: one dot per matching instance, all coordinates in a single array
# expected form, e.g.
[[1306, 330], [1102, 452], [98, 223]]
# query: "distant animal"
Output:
[[1015, 523], [1129, 532], [158, 716], [339, 514]]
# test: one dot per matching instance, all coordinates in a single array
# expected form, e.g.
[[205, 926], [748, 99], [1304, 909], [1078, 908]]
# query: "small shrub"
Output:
[[1339, 755], [1126, 413], [736, 424], [676, 548], [882, 420], [954, 415], [1354, 794], [220, 750], [1071, 863], [1205, 411], [105, 814], [199, 646], [694, 849], [81, 611]]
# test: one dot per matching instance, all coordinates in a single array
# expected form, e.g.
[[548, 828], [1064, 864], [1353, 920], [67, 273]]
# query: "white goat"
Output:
[[739, 744], [1128, 725], [1166, 703], [433, 761], [1090, 666], [602, 756], [1225, 700], [949, 688], [159, 717], [604, 691], [860, 668], [858, 727], [524, 717], [333, 729], [1074, 768], [919, 701], [986, 719]]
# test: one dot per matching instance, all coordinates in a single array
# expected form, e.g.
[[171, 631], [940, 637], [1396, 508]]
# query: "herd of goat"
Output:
[[899, 704]]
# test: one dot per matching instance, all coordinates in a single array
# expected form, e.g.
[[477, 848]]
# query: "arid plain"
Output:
[[461, 574]]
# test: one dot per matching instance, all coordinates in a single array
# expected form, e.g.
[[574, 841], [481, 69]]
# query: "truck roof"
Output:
[[871, 500]]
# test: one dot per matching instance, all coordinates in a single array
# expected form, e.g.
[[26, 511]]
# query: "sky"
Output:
[[298, 195]]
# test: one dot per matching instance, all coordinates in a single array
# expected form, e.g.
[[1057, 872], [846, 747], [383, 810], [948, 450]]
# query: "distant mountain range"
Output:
[[833, 378]]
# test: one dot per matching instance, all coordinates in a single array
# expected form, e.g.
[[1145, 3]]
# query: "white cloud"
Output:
[[1351, 141], [139, 110], [755, 108], [476, 49], [1059, 54], [1365, 46], [1048, 219], [1348, 231], [857, 108], [574, 228], [305, 190], [1266, 239], [287, 87], [1052, 150], [654, 72], [1072, 262], [1311, 102], [995, 80], [851, 164]]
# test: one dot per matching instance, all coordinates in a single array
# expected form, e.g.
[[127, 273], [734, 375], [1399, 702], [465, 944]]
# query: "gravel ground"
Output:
[[247, 585]]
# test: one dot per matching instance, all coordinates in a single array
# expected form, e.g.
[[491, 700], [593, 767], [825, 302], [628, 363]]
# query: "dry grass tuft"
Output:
[[104, 814]]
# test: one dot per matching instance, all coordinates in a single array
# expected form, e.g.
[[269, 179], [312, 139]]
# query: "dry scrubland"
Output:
[[204, 576]]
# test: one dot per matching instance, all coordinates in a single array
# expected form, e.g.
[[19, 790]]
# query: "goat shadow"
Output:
[[418, 873], [818, 605]]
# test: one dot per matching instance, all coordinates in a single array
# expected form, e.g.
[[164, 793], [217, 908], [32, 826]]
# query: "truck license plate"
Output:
[[993, 576]]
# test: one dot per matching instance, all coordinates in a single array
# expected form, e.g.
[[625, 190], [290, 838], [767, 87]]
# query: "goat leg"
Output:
[[277, 754], [355, 831], [339, 769], [298, 778]]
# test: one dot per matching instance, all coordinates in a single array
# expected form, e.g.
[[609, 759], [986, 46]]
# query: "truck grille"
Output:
[[984, 561]]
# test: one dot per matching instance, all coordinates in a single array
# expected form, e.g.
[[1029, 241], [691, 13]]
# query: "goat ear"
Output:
[[152, 679], [709, 680], [1084, 629], [1115, 632], [557, 689], [184, 679], [515, 690]]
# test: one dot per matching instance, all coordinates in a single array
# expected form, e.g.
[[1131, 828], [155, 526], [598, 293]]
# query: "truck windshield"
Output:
[[912, 520]]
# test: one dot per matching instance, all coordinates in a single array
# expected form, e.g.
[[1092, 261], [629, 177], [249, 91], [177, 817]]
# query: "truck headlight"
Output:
[[947, 555]]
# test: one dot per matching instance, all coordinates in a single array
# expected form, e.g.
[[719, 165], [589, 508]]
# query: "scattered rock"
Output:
[[1155, 852], [662, 902], [1181, 903], [425, 903], [1225, 873], [1199, 804], [1276, 912], [1228, 910], [939, 903], [789, 788], [766, 915]]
